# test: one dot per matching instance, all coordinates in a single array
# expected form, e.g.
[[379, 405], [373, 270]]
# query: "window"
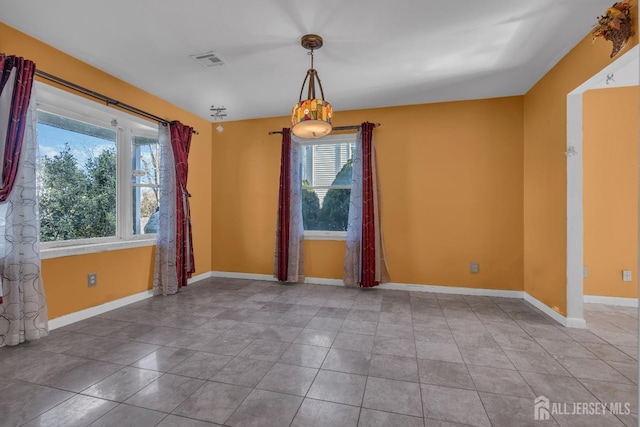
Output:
[[326, 185], [98, 175], [78, 179], [145, 181]]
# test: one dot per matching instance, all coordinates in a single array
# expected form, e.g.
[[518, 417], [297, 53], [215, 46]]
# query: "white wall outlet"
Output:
[[92, 279], [475, 268], [626, 276], [584, 271]]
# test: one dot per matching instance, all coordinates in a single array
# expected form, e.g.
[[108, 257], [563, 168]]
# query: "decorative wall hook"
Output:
[[609, 79]]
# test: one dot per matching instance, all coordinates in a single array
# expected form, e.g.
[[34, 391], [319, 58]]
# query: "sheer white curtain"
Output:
[[289, 254], [352, 259], [165, 280], [365, 261], [23, 312], [296, 227]]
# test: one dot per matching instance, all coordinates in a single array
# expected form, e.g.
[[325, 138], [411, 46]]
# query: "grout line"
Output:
[[518, 317]]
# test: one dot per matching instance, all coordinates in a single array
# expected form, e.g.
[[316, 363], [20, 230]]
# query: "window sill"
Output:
[[325, 235], [92, 248]]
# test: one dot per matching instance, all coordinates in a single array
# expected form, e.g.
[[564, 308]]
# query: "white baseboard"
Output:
[[321, 281], [569, 322], [624, 302], [575, 322], [453, 290], [397, 286], [268, 278], [248, 276], [199, 277], [77, 316]]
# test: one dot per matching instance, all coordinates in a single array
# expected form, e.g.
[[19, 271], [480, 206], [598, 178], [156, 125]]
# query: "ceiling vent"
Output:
[[209, 59]]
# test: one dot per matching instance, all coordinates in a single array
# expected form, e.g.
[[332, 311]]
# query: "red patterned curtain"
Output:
[[368, 278], [373, 263], [180, 143], [284, 209], [289, 257], [24, 72]]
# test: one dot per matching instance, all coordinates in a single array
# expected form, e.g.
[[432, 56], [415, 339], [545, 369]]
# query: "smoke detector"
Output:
[[208, 59]]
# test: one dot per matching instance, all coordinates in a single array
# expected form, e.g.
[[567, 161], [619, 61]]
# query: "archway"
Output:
[[622, 72]]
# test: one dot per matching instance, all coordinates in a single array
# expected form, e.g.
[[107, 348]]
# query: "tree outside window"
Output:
[[326, 186]]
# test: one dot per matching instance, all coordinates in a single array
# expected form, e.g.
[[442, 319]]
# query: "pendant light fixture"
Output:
[[311, 118]]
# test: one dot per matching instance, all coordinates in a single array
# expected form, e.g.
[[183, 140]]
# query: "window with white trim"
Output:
[[326, 185], [145, 182], [98, 175]]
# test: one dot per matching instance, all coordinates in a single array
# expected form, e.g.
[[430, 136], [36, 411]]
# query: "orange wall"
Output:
[[545, 210], [466, 181], [610, 153], [452, 193], [125, 272], [120, 274]]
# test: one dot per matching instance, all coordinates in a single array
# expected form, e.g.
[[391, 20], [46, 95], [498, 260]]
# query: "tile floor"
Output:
[[251, 353]]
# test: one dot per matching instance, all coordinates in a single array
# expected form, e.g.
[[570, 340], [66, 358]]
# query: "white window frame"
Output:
[[326, 140], [138, 185], [57, 101]]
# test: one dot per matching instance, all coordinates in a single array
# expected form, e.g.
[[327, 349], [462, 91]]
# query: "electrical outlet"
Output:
[[92, 279], [475, 268], [584, 271], [626, 275]]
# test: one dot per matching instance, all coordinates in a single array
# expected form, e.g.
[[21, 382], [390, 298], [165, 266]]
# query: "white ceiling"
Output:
[[376, 52]]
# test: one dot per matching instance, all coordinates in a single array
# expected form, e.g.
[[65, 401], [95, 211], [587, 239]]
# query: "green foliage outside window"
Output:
[[78, 202], [310, 207], [334, 214]]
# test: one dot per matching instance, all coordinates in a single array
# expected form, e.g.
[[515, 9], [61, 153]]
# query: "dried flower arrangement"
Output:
[[616, 26]]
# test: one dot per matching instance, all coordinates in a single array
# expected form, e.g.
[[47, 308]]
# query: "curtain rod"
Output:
[[337, 128], [103, 98]]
